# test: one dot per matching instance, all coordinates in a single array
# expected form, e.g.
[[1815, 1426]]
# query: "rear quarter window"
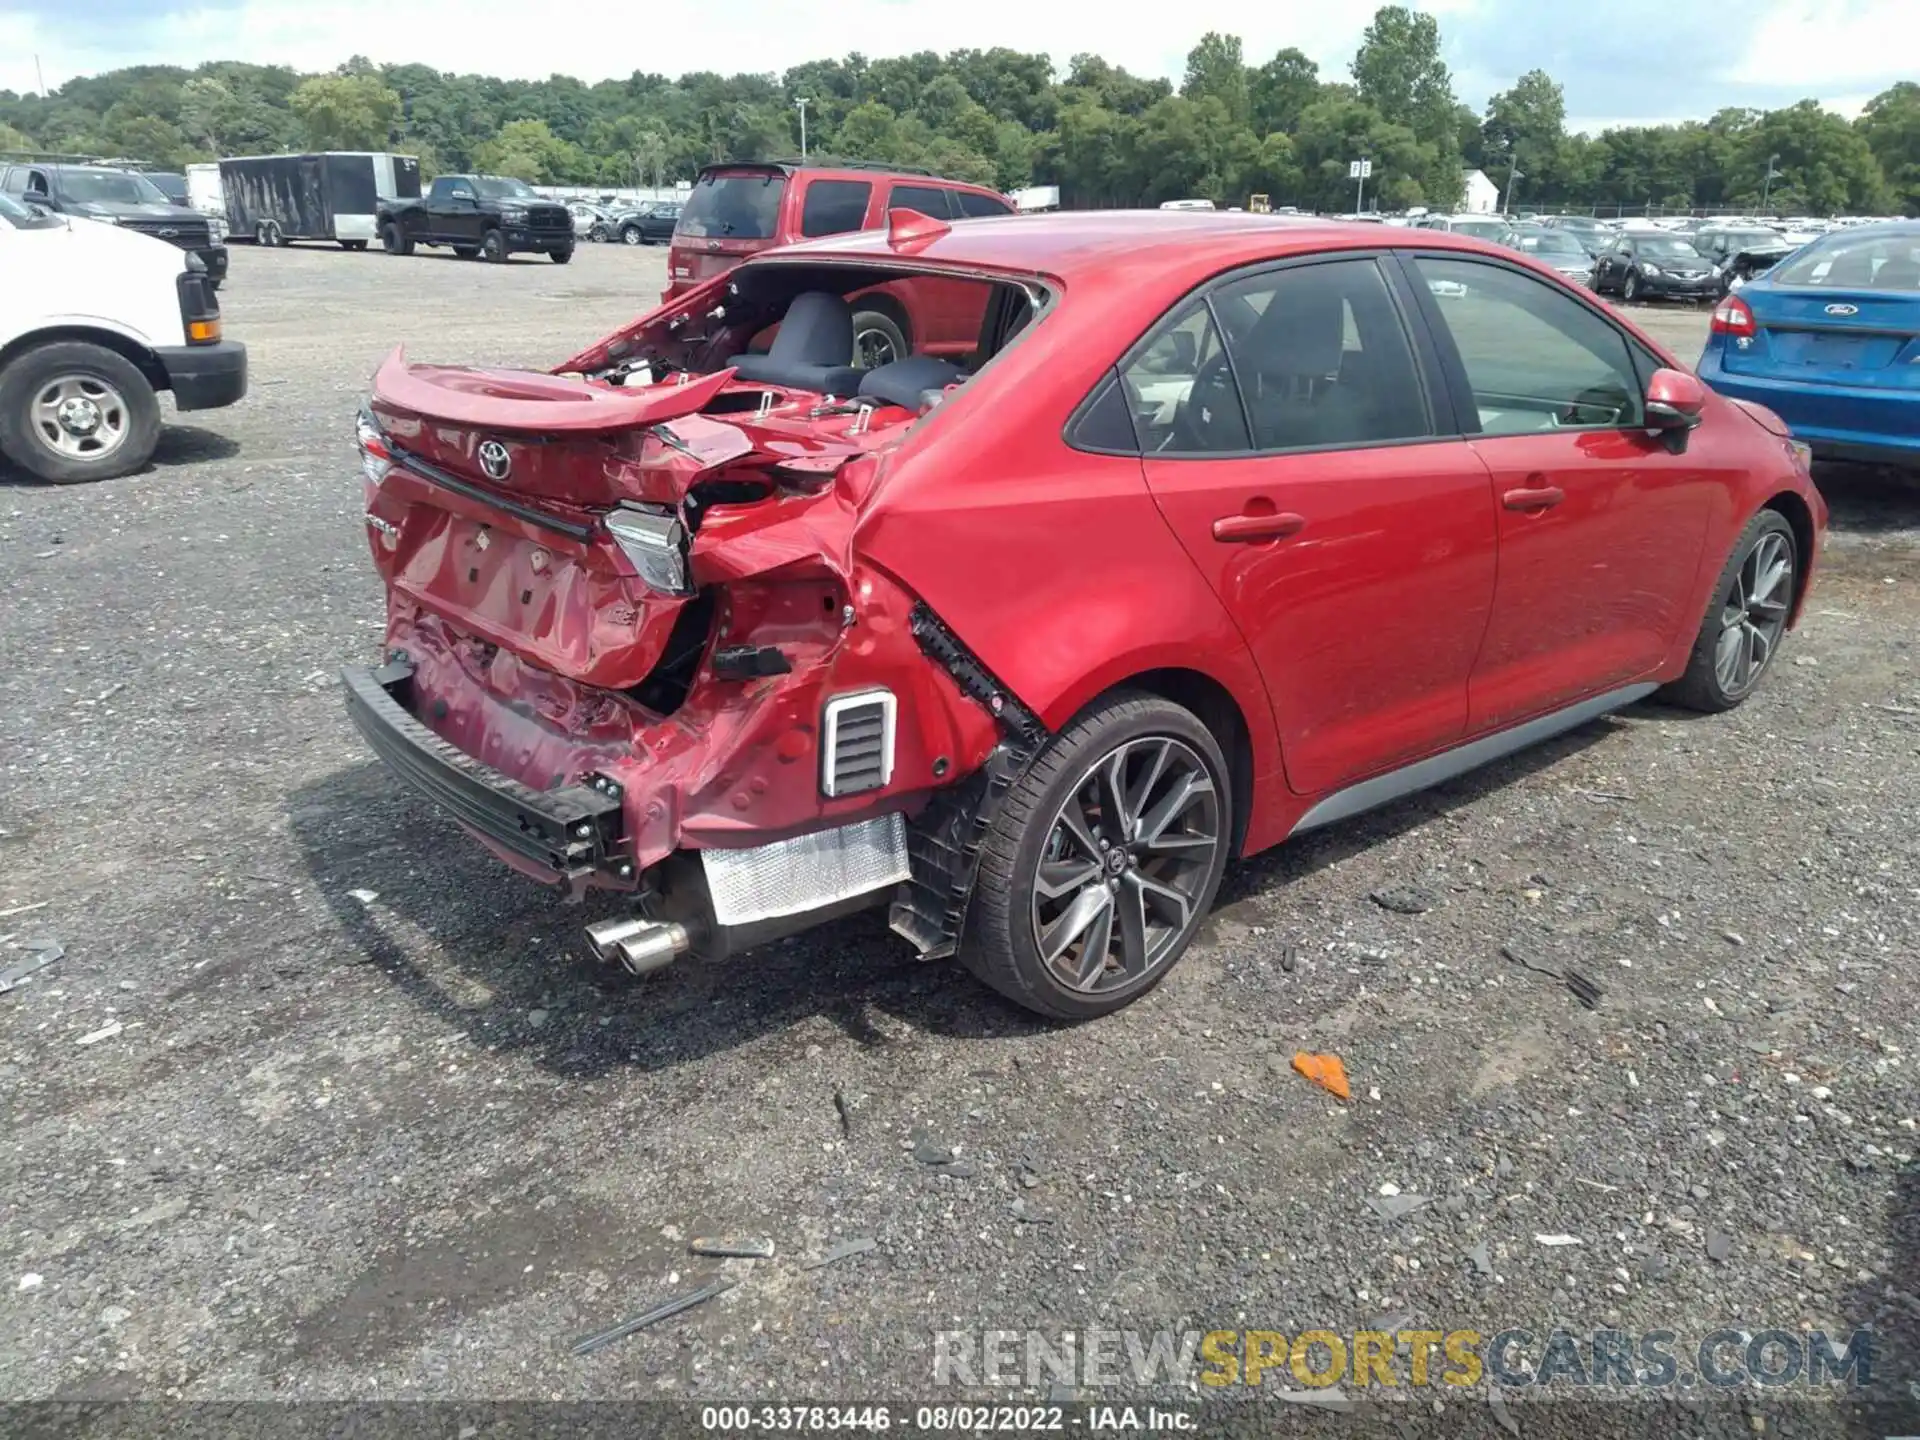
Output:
[[832, 207]]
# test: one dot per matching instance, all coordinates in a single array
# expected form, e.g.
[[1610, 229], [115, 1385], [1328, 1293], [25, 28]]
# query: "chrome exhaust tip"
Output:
[[638, 945]]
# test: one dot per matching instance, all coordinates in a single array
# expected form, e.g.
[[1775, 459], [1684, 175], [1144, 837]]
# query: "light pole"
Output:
[[1506, 205], [1766, 193], [801, 106]]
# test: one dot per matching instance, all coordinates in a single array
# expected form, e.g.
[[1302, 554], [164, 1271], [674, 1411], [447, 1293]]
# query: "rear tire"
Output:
[[493, 247], [1138, 893], [394, 239], [1746, 619], [113, 400]]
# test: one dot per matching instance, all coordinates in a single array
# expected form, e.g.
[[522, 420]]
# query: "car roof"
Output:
[[852, 169], [1076, 245]]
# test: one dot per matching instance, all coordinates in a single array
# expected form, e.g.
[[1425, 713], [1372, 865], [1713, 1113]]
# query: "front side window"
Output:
[[1180, 389], [1535, 358], [833, 207], [974, 207], [1321, 357], [927, 199]]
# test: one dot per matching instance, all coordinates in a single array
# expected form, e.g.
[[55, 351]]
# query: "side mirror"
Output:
[[1675, 400]]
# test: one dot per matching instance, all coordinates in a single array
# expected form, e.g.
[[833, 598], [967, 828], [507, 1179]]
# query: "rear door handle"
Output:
[[1542, 497], [1230, 528]]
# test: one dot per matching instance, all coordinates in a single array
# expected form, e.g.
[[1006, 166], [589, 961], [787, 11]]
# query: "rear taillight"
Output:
[[376, 457], [656, 543], [1732, 316]]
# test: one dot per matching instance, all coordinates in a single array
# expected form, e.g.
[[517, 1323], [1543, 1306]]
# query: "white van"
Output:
[[94, 321]]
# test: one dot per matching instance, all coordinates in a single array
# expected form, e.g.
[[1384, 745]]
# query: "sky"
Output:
[[1624, 62]]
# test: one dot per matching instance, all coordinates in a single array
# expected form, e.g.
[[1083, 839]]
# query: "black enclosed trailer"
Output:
[[274, 199]]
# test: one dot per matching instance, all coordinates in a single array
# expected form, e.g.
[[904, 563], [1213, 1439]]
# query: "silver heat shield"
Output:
[[807, 872]]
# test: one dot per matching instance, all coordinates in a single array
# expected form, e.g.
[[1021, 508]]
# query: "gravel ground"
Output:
[[323, 1103]]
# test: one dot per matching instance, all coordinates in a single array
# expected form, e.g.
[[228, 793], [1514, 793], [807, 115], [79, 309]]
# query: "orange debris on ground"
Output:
[[1326, 1071]]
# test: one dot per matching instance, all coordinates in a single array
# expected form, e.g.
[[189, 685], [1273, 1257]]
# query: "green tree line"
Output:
[[1234, 127]]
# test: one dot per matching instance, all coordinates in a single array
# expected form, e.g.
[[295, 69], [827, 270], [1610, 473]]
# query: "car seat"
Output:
[[813, 349]]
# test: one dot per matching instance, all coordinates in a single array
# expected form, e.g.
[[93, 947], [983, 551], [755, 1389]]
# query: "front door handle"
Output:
[[1542, 497], [1230, 528]]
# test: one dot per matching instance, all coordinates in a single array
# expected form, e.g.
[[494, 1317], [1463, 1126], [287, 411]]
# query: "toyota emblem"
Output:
[[1843, 309], [495, 460]]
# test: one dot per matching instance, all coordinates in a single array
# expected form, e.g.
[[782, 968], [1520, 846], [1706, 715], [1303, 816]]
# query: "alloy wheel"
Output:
[[1754, 614], [631, 235], [1125, 865], [80, 417], [872, 349]]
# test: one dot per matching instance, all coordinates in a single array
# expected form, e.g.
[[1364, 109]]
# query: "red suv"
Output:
[[1226, 528], [736, 211]]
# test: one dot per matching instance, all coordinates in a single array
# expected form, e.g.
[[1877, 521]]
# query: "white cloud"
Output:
[[1832, 44]]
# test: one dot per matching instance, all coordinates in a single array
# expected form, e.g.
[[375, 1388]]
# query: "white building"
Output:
[[1482, 195]]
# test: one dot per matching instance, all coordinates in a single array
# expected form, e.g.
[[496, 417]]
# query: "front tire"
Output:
[[1746, 620], [1102, 860], [561, 257], [1630, 288], [74, 412], [493, 247]]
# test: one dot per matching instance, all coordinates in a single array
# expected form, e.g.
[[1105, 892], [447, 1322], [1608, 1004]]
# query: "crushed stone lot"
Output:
[[322, 1102]]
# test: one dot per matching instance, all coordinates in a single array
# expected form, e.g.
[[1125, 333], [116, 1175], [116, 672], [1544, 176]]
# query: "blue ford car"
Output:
[[1829, 339]]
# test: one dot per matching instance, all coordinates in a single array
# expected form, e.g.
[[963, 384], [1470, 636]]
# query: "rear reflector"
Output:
[[1732, 317], [856, 743], [790, 877]]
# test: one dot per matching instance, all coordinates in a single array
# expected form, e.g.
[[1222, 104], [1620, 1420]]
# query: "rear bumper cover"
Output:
[[566, 834], [205, 377], [1897, 444]]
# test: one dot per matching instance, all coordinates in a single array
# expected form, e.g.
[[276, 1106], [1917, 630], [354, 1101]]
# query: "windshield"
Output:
[[1480, 229], [108, 187], [741, 207], [23, 217], [174, 187], [1549, 242], [1857, 262], [495, 187], [1668, 249]]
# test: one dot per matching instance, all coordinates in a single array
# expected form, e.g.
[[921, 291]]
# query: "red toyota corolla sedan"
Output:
[[1229, 527]]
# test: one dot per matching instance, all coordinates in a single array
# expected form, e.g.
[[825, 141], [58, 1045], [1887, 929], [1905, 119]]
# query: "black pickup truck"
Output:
[[478, 215]]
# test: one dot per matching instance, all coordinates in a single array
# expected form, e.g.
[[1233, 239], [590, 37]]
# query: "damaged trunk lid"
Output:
[[556, 517]]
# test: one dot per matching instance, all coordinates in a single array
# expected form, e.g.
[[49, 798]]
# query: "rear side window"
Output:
[[1322, 358], [1856, 262], [927, 199], [832, 207], [974, 207], [1535, 359], [734, 207]]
